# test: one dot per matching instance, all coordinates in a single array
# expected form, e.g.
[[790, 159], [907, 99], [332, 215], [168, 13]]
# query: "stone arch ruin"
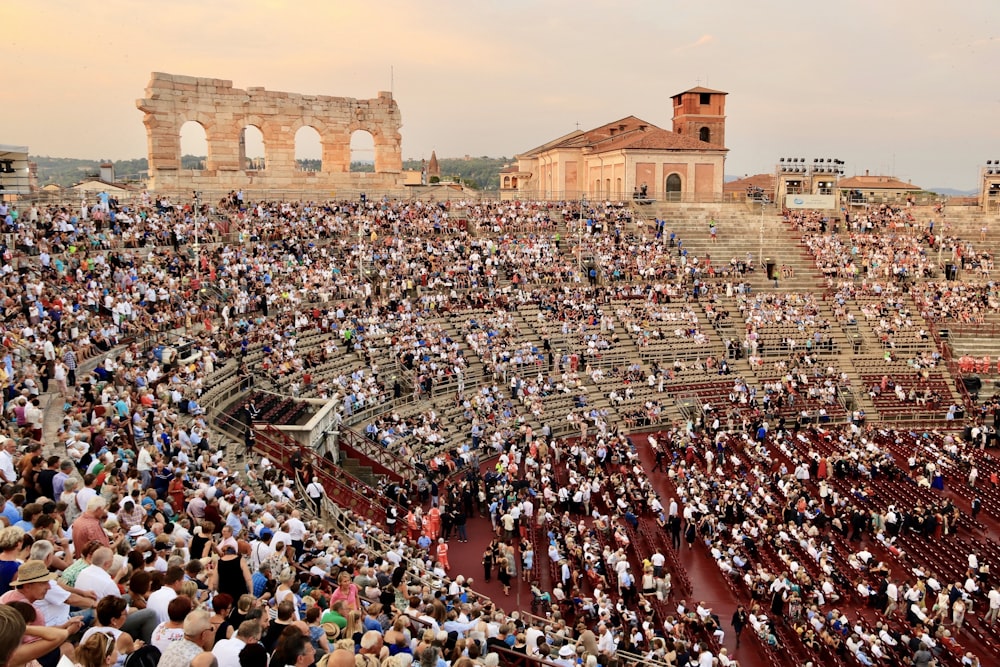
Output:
[[223, 111]]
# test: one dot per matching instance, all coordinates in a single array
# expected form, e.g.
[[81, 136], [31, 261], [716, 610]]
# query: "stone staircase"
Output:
[[738, 228], [366, 474]]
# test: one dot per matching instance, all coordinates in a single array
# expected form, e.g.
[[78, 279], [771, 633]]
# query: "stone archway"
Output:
[[224, 111], [672, 187]]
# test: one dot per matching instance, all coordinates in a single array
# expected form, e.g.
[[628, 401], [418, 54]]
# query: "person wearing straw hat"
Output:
[[30, 585]]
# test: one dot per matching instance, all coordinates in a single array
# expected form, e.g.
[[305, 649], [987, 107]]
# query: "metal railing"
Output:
[[373, 451], [343, 488]]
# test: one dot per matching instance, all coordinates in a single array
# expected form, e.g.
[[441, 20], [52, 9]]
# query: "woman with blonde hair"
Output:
[[98, 650], [285, 591], [347, 591], [11, 545], [355, 628], [190, 589]]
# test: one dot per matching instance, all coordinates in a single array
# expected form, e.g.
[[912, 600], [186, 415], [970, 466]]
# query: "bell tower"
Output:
[[701, 113]]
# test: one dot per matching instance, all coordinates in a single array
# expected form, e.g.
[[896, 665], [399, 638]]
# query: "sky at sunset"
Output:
[[909, 88]]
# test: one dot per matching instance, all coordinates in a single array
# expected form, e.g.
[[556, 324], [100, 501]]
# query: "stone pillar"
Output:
[[388, 153], [164, 141], [223, 137], [280, 141], [336, 152]]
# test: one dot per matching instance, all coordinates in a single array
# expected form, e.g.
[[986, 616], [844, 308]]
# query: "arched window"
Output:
[[506, 181], [673, 188], [362, 151], [705, 135], [252, 150], [308, 150], [194, 145]]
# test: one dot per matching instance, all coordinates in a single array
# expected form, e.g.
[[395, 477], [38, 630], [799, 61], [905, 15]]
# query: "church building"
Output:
[[631, 157]]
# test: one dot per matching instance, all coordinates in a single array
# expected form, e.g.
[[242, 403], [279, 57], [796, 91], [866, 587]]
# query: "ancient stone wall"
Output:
[[224, 112]]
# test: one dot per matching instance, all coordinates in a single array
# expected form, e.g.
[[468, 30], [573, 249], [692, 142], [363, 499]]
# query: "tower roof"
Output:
[[700, 89], [433, 168]]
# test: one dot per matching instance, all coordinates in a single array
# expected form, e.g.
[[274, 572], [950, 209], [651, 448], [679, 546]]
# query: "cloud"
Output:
[[701, 41]]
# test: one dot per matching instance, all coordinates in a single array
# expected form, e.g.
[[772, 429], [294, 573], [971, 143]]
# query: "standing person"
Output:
[[740, 619], [347, 591], [60, 373], [391, 519], [249, 437], [69, 359], [459, 521], [994, 610], [690, 533], [315, 493], [488, 564], [442, 554], [232, 574], [507, 568], [674, 523], [527, 559]]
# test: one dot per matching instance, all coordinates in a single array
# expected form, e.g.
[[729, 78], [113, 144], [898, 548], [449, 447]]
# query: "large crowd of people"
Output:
[[133, 536]]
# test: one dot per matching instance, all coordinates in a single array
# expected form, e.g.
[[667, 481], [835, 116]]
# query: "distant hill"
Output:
[[482, 173], [66, 171], [476, 172], [952, 192]]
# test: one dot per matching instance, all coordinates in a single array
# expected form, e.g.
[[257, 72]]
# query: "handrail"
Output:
[[629, 658], [279, 448], [396, 466], [510, 658]]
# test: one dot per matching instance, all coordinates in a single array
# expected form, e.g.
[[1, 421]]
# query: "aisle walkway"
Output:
[[706, 579]]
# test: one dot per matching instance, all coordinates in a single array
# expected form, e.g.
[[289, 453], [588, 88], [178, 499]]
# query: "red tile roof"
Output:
[[629, 132]]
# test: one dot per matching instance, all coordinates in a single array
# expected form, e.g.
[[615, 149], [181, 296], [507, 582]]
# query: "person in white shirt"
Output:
[[296, 531], [261, 550], [160, 599], [227, 651], [96, 577], [315, 492], [994, 597], [84, 495], [606, 643], [658, 560], [55, 606], [892, 597], [7, 461]]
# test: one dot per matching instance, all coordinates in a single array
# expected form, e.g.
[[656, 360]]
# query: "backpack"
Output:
[[147, 656]]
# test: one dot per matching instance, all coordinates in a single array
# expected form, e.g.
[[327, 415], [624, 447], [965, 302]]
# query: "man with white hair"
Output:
[[96, 577], [89, 525], [7, 469], [372, 644]]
